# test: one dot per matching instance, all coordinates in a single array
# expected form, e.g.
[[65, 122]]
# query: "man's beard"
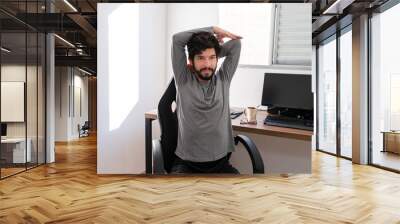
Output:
[[204, 77]]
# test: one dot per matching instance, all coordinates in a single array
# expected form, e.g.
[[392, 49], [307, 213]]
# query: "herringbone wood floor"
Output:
[[70, 191]]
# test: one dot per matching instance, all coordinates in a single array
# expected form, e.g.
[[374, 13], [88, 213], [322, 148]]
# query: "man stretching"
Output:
[[205, 136]]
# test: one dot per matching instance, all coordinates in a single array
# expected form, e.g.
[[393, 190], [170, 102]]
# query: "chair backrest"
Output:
[[86, 125], [169, 125]]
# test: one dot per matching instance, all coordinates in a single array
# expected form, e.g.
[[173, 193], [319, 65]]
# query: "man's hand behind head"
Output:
[[221, 34]]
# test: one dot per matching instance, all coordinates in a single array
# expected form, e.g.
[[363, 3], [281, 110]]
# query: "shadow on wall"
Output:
[[129, 85]]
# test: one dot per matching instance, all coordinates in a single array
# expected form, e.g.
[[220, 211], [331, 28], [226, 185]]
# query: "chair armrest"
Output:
[[256, 159], [158, 161]]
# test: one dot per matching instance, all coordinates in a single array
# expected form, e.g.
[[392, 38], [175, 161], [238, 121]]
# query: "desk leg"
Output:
[[148, 139], [384, 142]]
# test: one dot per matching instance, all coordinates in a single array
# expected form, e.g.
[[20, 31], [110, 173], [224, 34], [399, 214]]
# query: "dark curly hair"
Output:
[[201, 41]]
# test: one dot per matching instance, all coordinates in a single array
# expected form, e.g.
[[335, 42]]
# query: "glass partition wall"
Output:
[[13, 110], [346, 95], [334, 107], [385, 90], [327, 95], [22, 88], [334, 89]]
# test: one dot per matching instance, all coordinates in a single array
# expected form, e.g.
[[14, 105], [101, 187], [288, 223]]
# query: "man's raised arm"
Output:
[[230, 50]]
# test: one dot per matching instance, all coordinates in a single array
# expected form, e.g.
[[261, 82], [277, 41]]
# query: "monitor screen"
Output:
[[3, 129], [288, 91]]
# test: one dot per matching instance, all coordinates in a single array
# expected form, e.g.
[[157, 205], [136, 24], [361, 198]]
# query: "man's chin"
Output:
[[205, 77]]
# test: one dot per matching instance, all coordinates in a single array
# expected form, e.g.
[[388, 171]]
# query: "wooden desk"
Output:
[[391, 141], [259, 128], [14, 152]]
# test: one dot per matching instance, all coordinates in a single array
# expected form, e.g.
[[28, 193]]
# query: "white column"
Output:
[[50, 99]]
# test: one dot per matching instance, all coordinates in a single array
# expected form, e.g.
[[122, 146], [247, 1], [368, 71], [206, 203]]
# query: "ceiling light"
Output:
[[70, 5], [64, 40], [84, 71], [5, 50], [338, 6]]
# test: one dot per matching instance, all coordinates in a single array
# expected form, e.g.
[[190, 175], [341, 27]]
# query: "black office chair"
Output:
[[164, 148], [84, 130]]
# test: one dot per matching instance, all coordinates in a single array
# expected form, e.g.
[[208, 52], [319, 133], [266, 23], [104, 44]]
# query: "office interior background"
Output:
[[46, 80], [49, 81], [50, 100], [70, 55]]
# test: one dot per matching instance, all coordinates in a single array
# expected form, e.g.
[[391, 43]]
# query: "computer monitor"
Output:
[[290, 91], [3, 129]]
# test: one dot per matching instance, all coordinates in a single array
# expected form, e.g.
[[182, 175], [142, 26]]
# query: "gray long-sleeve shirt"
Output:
[[205, 129]]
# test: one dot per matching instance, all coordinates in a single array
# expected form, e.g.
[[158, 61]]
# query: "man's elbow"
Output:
[[234, 45], [238, 43]]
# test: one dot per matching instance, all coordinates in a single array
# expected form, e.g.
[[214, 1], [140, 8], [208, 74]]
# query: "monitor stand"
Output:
[[300, 114], [290, 118]]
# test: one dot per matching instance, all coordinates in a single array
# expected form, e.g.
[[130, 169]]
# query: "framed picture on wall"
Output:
[[12, 101]]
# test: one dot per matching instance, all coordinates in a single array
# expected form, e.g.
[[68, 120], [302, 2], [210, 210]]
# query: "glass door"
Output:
[[346, 93], [385, 90], [327, 96], [13, 103]]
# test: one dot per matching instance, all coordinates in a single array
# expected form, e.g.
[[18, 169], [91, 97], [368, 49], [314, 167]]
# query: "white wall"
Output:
[[61, 103], [67, 80], [131, 73], [81, 84]]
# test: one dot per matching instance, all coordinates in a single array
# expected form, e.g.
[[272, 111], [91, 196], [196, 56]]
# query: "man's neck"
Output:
[[202, 81]]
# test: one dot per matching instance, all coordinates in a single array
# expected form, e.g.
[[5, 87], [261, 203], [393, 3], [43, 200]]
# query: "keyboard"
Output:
[[289, 122]]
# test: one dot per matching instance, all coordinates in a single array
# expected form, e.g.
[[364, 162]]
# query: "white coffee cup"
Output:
[[250, 114]]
